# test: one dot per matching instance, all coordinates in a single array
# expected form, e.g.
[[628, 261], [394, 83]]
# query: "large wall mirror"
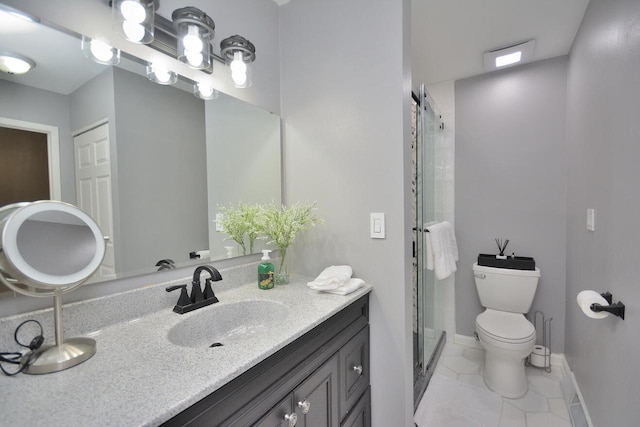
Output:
[[149, 163]]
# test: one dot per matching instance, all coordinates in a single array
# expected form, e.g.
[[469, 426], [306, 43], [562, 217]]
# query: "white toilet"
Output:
[[506, 335]]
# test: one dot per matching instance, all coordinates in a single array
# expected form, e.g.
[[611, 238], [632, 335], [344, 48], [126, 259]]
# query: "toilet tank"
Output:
[[506, 289]]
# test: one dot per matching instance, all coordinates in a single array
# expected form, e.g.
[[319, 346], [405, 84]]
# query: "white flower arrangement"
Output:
[[236, 222], [277, 223], [281, 225]]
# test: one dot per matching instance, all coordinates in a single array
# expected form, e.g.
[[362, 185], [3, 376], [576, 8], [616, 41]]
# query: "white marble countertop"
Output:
[[139, 378]]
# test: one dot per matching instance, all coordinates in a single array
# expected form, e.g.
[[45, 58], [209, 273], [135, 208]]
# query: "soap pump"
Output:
[[265, 271]]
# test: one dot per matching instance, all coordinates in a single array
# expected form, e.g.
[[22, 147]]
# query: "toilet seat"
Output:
[[505, 327]]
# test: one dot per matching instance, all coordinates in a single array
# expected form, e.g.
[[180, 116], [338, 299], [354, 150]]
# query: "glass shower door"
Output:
[[428, 204]]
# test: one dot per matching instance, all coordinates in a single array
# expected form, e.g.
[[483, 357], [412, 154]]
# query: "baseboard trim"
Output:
[[467, 341], [569, 373]]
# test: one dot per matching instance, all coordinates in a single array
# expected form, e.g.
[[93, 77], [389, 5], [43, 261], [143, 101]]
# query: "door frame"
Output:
[[53, 150]]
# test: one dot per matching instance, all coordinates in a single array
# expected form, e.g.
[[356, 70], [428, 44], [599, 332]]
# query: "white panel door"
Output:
[[93, 189]]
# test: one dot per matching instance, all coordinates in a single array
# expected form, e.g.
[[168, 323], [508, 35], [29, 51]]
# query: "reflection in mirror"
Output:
[[149, 163], [75, 244]]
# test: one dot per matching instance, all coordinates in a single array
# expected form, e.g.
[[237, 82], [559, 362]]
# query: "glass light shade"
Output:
[[134, 19], [194, 31], [12, 63], [161, 74], [99, 51], [239, 71], [238, 53], [205, 91]]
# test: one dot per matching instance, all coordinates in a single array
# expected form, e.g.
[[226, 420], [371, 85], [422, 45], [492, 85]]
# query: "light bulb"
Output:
[[239, 78], [238, 65], [205, 90], [134, 32], [194, 58], [192, 40], [102, 51], [133, 11], [163, 75]]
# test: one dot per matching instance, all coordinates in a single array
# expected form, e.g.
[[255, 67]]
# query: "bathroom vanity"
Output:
[[321, 379], [284, 351]]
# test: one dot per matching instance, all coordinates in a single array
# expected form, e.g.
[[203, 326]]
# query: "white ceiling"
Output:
[[449, 37]]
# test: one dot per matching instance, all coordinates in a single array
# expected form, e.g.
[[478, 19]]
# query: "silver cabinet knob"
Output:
[[358, 369], [292, 419], [305, 405]]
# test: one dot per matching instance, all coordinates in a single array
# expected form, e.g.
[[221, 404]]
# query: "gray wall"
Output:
[[346, 108], [603, 153], [510, 181], [162, 171], [29, 104]]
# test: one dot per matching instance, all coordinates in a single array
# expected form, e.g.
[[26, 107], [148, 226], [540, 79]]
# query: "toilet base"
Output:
[[505, 375]]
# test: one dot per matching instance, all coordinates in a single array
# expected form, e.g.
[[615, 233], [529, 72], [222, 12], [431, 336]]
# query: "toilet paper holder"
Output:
[[616, 309]]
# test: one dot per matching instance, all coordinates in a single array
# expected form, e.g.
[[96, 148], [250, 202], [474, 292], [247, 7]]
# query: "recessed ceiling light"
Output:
[[508, 59], [12, 63], [509, 56]]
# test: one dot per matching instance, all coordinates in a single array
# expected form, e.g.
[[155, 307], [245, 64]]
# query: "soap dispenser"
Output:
[[265, 271]]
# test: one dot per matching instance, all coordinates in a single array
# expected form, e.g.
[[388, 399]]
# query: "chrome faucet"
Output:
[[198, 298]]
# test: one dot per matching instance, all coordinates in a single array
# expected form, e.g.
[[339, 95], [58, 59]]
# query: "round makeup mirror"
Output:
[[48, 248]]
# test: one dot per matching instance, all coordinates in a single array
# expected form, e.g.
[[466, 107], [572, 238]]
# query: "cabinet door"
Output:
[[360, 415], [354, 370], [316, 399], [281, 415]]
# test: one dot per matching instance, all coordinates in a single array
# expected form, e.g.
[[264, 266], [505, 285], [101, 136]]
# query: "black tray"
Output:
[[516, 263]]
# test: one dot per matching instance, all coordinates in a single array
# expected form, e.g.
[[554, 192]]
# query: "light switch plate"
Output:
[[377, 226], [591, 219], [219, 218]]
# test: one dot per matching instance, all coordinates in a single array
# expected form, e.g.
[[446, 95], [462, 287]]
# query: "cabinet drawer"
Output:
[[354, 370]]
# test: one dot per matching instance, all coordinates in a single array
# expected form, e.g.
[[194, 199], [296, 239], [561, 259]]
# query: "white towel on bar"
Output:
[[442, 249], [332, 278], [351, 286]]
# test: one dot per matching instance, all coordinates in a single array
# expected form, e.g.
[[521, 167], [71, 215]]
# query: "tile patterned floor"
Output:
[[542, 406]]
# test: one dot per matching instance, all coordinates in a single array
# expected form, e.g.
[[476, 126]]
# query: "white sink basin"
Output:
[[227, 323]]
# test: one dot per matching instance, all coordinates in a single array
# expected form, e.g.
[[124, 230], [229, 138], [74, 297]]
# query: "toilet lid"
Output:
[[504, 326]]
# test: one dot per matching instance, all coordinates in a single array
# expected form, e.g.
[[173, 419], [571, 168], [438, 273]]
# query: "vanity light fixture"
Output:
[[205, 91], [12, 63], [161, 74], [188, 37], [509, 56], [194, 30], [134, 19], [238, 53], [100, 51]]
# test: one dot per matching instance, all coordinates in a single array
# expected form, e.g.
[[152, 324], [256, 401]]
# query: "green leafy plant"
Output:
[[281, 224], [236, 222]]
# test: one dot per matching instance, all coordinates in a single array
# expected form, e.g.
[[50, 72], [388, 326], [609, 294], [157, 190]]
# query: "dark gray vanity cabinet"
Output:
[[319, 380]]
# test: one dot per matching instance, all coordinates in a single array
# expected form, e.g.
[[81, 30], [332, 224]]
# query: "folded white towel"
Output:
[[442, 249], [332, 278], [351, 286]]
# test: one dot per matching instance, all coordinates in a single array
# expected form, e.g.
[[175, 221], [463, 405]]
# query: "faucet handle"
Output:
[[184, 297], [196, 292], [208, 291]]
